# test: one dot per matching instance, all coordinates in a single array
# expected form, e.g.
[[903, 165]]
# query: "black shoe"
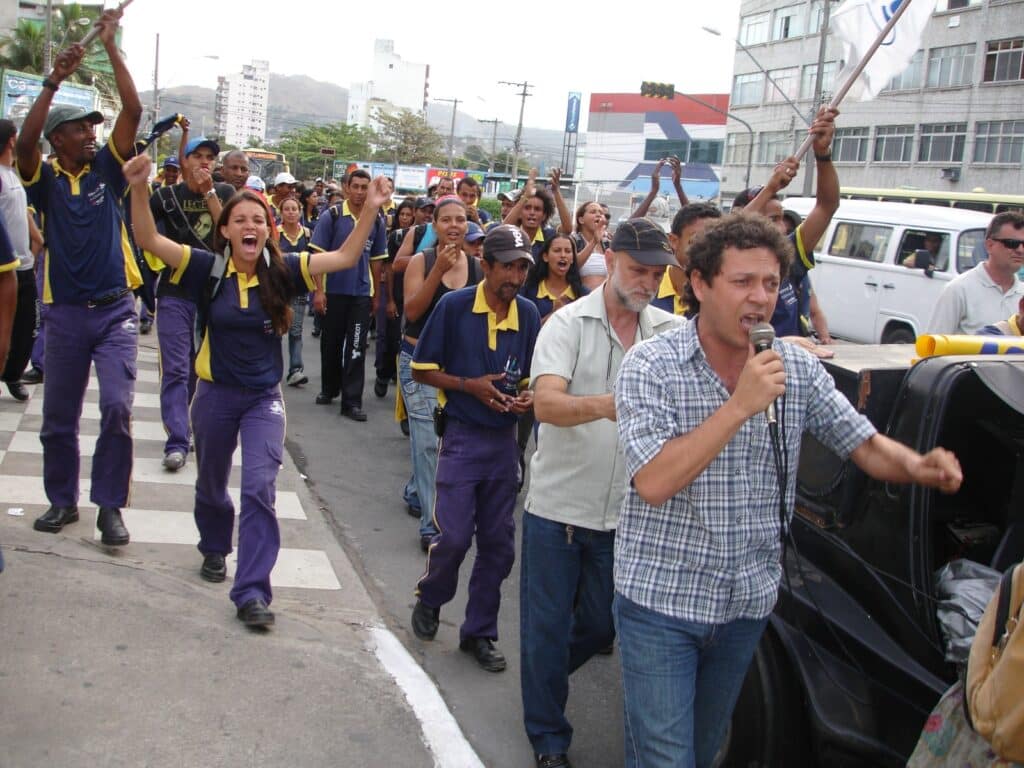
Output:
[[145, 326], [553, 761], [404, 426], [425, 621], [411, 511], [316, 333], [213, 567], [55, 518], [380, 387], [323, 399], [355, 413], [17, 390], [485, 653], [425, 539], [111, 526], [256, 614], [32, 376]]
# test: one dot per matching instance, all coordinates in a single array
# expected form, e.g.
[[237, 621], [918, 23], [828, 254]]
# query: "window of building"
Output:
[[1000, 141], [754, 28], [655, 149], [706, 151], [747, 89], [774, 146], [893, 143], [942, 143], [951, 65], [850, 145], [910, 77], [817, 17], [789, 22], [810, 74], [867, 242], [954, 5], [737, 148], [1004, 60], [786, 82]]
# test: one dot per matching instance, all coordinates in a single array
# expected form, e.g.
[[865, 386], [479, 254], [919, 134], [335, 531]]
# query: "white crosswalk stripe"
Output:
[[161, 501]]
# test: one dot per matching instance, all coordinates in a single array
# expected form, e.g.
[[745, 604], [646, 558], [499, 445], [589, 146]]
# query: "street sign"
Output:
[[327, 151]]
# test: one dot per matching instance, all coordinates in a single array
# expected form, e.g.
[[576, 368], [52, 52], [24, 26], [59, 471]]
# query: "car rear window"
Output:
[[865, 242]]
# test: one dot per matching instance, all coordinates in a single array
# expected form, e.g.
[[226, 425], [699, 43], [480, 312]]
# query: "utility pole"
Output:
[[819, 79], [517, 144], [494, 142], [451, 135], [156, 93]]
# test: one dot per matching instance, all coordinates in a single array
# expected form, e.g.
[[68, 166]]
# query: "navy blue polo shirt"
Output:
[[786, 317], [240, 347], [463, 337], [89, 255], [331, 232], [544, 300], [298, 245], [543, 235]]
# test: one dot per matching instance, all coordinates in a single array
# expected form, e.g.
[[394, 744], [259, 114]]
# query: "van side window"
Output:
[[923, 249], [970, 250], [866, 242]]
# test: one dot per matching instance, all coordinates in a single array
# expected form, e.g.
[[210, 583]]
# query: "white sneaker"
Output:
[[297, 377], [174, 461]]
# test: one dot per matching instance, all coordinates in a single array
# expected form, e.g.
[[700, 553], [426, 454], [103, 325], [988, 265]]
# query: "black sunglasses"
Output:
[[1010, 242]]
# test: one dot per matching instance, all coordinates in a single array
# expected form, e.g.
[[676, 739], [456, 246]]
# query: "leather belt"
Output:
[[110, 298]]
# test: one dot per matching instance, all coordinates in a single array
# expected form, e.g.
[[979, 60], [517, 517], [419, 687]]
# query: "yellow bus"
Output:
[[265, 163], [986, 202]]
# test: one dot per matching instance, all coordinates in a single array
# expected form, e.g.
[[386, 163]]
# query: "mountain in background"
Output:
[[297, 100]]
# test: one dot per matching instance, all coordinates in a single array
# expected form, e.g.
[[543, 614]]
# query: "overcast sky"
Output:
[[576, 47]]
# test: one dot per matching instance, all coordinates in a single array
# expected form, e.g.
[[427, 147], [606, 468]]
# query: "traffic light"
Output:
[[657, 90]]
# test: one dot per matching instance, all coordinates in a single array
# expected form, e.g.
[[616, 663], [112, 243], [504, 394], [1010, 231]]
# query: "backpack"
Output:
[[218, 270]]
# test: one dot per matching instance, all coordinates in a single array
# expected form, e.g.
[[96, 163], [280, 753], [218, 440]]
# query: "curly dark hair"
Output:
[[737, 230], [275, 280], [547, 201]]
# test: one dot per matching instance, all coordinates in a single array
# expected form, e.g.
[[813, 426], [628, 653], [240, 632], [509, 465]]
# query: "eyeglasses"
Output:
[[1010, 242]]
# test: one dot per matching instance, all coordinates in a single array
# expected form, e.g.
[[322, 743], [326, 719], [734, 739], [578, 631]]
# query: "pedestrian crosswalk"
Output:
[[161, 502]]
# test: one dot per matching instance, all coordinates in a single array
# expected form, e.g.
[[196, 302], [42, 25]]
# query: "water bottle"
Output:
[[509, 383]]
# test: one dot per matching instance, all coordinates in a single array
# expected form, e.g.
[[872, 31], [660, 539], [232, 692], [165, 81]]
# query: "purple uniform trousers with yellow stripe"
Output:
[[476, 489], [220, 414], [78, 336], [175, 329]]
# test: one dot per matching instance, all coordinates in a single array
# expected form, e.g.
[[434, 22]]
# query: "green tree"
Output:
[[406, 137], [302, 146], [475, 158]]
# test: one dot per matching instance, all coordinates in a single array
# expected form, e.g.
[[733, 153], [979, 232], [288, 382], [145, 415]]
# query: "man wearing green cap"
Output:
[[90, 274]]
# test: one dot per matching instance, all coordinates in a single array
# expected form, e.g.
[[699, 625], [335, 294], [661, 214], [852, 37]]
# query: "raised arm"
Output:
[[137, 171], [26, 149], [641, 210], [564, 217], [515, 215], [127, 123], [677, 181], [827, 197], [347, 256]]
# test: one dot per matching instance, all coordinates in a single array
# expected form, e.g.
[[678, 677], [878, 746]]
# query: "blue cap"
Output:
[[474, 233], [201, 141], [171, 162]]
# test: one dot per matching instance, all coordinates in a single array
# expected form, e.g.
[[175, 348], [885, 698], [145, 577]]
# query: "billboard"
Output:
[[20, 90], [572, 112]]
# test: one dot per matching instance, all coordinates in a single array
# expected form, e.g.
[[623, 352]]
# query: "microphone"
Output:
[[761, 336]]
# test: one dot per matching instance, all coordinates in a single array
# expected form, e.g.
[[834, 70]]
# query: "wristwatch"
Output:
[[210, 193]]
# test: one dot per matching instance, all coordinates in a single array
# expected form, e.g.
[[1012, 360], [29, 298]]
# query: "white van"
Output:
[[881, 266]]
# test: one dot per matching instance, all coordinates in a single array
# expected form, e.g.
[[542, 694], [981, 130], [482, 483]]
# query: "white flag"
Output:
[[857, 24]]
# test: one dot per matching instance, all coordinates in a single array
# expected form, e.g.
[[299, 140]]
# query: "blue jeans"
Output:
[[680, 681], [565, 617], [420, 401], [295, 334]]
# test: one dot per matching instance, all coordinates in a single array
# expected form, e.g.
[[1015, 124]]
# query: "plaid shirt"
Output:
[[711, 553]]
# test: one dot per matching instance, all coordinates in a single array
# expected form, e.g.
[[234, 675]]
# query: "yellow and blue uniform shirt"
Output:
[[543, 235], [331, 233], [298, 245], [786, 318], [667, 298], [544, 300], [463, 337], [240, 347], [89, 255]]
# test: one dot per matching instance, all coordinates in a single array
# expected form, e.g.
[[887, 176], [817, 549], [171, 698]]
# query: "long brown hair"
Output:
[[275, 280]]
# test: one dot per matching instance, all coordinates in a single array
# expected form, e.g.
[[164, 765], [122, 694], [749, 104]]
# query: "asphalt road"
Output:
[[358, 471]]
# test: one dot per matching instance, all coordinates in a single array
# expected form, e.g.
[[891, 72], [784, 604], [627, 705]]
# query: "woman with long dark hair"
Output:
[[294, 238], [555, 279], [244, 291], [309, 205]]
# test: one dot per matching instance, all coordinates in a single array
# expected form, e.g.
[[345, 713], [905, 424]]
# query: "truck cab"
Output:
[[852, 661]]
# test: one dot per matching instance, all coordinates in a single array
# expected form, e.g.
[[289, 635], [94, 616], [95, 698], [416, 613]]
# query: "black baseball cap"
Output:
[[424, 202], [645, 241], [507, 243]]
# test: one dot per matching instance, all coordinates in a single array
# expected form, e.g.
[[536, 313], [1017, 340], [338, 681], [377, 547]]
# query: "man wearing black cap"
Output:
[[186, 213], [90, 274], [476, 348], [578, 479], [171, 172]]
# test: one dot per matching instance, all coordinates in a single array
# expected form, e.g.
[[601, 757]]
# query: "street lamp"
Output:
[[775, 85], [740, 120]]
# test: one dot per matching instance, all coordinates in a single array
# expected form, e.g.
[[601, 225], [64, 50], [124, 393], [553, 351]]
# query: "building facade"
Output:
[[952, 121], [401, 84], [240, 108]]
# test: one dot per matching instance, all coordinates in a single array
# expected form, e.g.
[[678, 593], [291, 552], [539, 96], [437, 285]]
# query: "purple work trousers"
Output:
[[475, 492], [220, 414], [175, 329], [108, 338]]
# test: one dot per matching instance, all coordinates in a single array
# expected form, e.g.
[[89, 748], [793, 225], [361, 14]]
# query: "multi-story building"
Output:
[[952, 121], [240, 109], [402, 84]]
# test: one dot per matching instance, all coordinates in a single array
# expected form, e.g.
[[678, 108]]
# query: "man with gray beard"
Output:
[[578, 479]]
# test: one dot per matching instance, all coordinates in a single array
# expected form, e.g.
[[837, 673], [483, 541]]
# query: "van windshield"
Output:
[[970, 249]]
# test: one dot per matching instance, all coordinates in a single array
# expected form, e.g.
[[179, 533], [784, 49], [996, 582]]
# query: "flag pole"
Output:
[[845, 87], [95, 31]]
